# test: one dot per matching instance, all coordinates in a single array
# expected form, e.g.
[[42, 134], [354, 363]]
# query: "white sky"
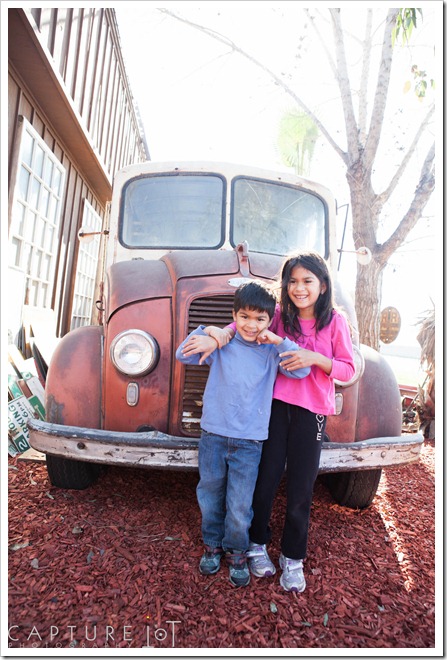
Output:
[[198, 100]]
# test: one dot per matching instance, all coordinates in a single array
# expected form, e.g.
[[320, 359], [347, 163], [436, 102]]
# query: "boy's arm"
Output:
[[193, 349]]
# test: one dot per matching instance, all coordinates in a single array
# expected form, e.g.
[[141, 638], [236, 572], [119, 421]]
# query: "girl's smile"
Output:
[[304, 289]]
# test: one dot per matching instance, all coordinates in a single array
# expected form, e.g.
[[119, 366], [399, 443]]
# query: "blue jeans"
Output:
[[228, 469]]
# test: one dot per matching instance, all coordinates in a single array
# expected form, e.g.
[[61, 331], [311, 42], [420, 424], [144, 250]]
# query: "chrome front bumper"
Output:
[[159, 450]]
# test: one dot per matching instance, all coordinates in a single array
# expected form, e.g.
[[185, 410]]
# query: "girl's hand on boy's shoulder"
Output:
[[203, 344], [221, 335]]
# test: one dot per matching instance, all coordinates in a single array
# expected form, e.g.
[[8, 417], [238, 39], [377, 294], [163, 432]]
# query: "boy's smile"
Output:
[[250, 322]]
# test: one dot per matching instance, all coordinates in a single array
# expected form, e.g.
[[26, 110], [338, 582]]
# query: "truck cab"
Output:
[[181, 237]]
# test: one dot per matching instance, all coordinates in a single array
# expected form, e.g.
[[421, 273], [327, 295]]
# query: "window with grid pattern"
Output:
[[84, 288], [36, 216]]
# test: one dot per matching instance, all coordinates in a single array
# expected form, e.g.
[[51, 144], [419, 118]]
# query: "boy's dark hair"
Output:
[[255, 295], [325, 304]]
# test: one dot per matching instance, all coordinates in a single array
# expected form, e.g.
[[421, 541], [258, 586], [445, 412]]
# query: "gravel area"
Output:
[[116, 566]]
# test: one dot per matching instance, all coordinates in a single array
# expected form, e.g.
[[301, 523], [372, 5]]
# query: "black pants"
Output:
[[296, 436]]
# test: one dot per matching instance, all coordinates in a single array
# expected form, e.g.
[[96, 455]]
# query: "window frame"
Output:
[[85, 282], [36, 213]]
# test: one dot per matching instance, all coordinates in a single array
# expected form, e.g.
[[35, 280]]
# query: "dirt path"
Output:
[[116, 565]]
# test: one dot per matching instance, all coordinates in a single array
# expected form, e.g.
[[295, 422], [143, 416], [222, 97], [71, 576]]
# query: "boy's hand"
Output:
[[200, 344], [268, 337]]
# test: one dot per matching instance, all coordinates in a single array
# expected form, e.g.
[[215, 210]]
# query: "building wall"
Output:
[[84, 46], [67, 79]]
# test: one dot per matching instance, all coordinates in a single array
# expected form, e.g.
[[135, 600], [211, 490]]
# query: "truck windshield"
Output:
[[277, 218], [180, 211], [187, 210]]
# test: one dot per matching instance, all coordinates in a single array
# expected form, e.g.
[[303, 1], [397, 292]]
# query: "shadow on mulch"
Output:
[[116, 566]]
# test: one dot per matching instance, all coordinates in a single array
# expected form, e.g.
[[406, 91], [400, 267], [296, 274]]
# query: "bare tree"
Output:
[[360, 155]]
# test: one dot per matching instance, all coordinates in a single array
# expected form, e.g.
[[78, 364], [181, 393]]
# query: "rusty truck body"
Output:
[[180, 238]]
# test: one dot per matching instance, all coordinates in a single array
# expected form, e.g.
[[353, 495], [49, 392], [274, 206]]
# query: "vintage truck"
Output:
[[180, 238]]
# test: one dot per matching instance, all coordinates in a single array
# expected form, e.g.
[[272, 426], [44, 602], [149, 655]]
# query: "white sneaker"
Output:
[[292, 578], [259, 561]]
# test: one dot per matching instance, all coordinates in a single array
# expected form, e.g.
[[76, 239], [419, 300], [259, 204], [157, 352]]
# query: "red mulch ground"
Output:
[[116, 564]]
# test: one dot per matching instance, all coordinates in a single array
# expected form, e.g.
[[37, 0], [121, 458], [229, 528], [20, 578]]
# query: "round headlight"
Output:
[[134, 352]]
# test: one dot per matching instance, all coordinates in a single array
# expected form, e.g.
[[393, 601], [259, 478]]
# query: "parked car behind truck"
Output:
[[181, 238]]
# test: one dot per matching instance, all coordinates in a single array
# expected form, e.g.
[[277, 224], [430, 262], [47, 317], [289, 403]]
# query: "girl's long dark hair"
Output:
[[324, 306]]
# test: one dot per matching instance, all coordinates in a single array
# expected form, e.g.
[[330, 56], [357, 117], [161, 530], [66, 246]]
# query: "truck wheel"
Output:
[[355, 490], [67, 473]]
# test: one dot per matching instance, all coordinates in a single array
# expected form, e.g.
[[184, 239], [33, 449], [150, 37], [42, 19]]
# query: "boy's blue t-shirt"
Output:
[[237, 399]]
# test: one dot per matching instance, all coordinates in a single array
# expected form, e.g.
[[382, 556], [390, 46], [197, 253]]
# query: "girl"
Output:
[[308, 316]]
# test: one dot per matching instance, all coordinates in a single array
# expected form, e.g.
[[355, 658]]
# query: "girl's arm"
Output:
[[283, 344], [304, 358], [341, 366], [204, 344], [198, 339]]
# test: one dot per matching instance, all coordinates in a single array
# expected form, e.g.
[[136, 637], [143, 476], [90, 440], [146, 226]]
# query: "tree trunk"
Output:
[[368, 300], [365, 217]]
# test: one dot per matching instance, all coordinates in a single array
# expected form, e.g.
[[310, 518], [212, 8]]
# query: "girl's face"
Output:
[[304, 289]]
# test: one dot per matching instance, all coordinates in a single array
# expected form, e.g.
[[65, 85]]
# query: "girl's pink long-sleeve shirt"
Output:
[[317, 392]]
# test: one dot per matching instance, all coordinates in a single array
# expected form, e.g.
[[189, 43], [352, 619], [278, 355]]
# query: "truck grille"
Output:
[[216, 310]]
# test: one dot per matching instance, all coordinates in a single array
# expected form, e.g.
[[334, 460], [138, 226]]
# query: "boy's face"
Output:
[[249, 323]]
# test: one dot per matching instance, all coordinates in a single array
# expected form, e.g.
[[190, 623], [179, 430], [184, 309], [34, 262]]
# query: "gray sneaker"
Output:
[[210, 560], [292, 578], [238, 568], [259, 561]]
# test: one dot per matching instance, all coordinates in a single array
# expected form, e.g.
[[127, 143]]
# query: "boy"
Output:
[[236, 411]]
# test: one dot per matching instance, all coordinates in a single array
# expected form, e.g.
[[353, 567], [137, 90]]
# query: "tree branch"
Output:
[[386, 194], [380, 97], [422, 193], [364, 77], [322, 42], [269, 72], [345, 87]]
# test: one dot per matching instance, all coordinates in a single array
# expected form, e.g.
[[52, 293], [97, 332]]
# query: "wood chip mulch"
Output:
[[116, 566]]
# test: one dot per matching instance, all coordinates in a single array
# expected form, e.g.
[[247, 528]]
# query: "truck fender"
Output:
[[73, 396], [379, 414], [73, 389], [379, 405]]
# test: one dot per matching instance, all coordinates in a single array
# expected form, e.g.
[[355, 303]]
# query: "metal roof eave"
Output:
[[35, 68]]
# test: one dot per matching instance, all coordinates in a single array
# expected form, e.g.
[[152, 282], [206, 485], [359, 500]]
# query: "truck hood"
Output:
[[130, 281], [140, 279]]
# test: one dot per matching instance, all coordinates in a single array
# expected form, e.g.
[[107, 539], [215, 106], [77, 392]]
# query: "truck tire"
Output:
[[67, 473], [355, 490]]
